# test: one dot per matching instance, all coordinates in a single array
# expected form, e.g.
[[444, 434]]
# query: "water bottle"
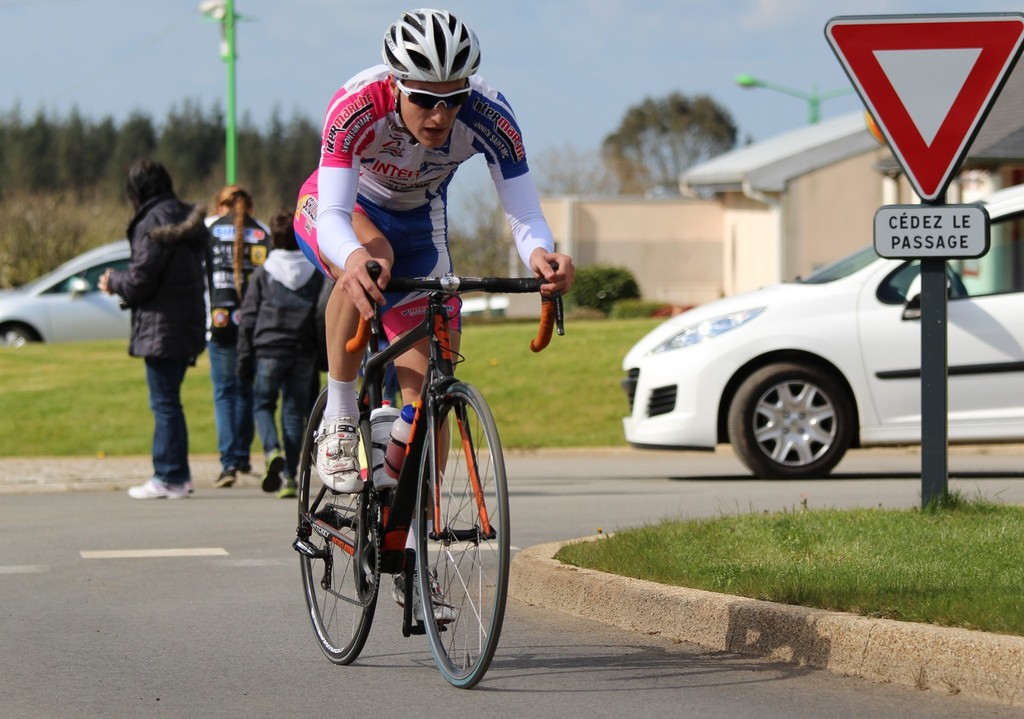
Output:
[[401, 430], [381, 421]]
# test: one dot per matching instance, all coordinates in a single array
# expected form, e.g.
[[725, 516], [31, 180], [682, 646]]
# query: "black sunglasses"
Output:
[[430, 100]]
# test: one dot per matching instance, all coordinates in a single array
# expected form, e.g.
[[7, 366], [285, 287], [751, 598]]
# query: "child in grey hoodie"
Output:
[[277, 347]]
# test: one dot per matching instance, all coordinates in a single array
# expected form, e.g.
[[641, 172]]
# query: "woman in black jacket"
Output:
[[163, 287]]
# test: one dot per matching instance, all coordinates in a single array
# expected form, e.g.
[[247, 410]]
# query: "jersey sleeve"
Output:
[[521, 203], [335, 236], [349, 125], [349, 129], [497, 133]]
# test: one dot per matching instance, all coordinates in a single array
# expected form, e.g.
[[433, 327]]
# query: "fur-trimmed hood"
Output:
[[191, 229]]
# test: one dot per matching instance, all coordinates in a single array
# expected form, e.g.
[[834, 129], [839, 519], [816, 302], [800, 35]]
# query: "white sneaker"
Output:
[[155, 489], [337, 455], [443, 611]]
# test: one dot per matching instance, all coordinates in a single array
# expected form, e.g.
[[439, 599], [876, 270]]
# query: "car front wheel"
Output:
[[16, 336], [790, 421]]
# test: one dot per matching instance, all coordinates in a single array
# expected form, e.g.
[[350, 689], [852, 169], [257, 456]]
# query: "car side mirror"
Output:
[[912, 306], [78, 286]]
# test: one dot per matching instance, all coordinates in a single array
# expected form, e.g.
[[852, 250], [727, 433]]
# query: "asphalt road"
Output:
[[221, 632]]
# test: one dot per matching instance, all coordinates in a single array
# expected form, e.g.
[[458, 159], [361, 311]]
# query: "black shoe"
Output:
[[245, 468], [226, 478], [272, 474]]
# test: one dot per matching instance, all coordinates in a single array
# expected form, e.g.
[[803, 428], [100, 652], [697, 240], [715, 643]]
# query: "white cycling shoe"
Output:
[[337, 455]]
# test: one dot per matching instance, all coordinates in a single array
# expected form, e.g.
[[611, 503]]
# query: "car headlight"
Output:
[[706, 330]]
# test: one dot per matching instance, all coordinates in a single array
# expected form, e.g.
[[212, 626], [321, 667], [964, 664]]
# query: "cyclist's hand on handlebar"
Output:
[[358, 283], [554, 267]]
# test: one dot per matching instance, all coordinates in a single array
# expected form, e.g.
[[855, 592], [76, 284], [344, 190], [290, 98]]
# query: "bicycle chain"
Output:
[[375, 534]]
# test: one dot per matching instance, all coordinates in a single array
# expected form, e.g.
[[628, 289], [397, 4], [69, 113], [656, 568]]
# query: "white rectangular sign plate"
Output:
[[942, 231]]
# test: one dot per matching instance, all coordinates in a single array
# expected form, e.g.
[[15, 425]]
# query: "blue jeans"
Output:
[[291, 377], [232, 405], [170, 434]]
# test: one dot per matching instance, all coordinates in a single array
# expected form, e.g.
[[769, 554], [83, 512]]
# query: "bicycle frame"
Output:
[[434, 329]]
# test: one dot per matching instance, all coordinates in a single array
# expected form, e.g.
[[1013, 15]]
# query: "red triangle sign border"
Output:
[[855, 42]]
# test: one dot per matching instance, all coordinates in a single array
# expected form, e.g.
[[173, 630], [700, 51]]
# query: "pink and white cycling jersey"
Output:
[[363, 133], [397, 174]]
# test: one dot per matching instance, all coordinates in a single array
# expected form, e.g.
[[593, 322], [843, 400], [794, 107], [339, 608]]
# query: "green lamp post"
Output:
[[223, 12], [812, 98]]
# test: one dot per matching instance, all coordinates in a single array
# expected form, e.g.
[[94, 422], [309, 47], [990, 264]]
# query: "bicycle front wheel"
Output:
[[337, 553], [462, 556]]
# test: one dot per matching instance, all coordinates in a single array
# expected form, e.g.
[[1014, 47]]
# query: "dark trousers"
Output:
[[170, 434], [291, 378]]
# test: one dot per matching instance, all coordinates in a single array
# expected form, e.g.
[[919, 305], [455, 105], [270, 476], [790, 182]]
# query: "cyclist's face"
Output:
[[430, 126]]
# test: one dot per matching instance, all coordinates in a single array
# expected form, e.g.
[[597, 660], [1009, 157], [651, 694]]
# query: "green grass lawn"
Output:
[[958, 566], [89, 398]]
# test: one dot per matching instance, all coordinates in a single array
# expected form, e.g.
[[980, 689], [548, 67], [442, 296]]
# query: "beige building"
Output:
[[747, 218], [673, 247]]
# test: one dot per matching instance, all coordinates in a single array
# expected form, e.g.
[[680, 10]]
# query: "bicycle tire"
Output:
[[469, 564], [340, 588]]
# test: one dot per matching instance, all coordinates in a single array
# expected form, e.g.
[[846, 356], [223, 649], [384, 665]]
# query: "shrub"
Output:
[[601, 286], [628, 309]]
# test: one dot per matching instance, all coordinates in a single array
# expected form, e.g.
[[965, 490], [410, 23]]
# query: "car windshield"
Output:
[[842, 268]]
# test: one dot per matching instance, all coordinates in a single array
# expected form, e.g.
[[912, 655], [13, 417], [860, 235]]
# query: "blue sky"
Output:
[[570, 68]]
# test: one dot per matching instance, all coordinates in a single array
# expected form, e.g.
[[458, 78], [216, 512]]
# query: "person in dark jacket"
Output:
[[277, 345], [163, 287]]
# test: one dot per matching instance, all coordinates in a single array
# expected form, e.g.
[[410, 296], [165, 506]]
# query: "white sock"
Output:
[[341, 399]]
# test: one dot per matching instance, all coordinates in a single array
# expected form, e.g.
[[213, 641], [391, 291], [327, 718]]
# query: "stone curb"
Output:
[[976, 664]]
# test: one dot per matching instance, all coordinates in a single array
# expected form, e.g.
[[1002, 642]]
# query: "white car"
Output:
[[65, 305], [795, 374]]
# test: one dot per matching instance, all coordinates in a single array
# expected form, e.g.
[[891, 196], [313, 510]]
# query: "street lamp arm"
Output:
[[813, 98], [835, 93], [749, 81]]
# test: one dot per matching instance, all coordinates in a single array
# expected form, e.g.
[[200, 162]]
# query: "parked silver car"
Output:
[[65, 305]]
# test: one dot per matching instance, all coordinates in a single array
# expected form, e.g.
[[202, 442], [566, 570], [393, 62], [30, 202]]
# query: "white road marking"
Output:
[[154, 553], [24, 569]]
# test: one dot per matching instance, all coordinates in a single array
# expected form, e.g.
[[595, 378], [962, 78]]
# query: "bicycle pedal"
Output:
[[306, 549]]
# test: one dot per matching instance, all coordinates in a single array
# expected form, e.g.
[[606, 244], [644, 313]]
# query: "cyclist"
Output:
[[393, 137]]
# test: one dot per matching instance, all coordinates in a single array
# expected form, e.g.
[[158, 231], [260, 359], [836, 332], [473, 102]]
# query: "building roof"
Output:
[[1001, 136], [768, 165]]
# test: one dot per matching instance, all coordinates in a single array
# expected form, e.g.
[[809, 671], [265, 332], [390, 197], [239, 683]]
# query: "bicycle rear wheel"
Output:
[[465, 557], [338, 555]]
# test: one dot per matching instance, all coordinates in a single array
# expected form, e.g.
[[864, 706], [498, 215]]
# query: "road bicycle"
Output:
[[452, 493]]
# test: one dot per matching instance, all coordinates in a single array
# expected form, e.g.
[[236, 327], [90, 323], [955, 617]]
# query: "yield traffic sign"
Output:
[[928, 81]]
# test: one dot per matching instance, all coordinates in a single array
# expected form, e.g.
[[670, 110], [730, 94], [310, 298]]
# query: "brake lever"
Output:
[[556, 297]]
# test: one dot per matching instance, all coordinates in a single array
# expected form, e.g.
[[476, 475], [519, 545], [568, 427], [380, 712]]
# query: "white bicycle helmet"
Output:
[[431, 46]]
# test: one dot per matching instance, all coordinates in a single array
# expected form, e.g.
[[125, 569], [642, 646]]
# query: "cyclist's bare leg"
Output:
[[336, 457], [412, 366], [342, 317]]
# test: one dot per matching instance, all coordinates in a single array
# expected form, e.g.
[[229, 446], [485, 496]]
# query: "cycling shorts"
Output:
[[419, 241]]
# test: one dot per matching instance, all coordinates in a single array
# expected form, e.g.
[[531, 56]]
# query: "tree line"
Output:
[[62, 178], [90, 158]]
